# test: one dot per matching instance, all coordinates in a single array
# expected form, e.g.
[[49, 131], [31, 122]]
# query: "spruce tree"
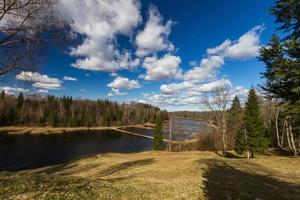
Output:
[[2, 96], [234, 121], [20, 101], [252, 135], [158, 136]]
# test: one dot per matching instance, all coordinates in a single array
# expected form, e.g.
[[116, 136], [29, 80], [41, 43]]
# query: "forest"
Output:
[[34, 110]]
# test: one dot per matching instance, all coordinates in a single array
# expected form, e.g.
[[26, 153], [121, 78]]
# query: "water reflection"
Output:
[[27, 151]]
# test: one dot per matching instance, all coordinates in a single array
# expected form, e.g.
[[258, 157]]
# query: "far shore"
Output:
[[15, 130]]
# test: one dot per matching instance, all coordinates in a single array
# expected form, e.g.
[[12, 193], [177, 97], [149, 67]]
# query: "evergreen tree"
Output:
[[158, 136], [282, 59], [234, 120], [20, 101], [241, 144], [252, 136], [2, 96]]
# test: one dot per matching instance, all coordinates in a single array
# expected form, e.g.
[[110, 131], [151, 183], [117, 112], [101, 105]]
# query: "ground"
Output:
[[158, 175]]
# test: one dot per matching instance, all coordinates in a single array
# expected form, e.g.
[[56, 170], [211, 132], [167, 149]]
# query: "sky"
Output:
[[167, 53]]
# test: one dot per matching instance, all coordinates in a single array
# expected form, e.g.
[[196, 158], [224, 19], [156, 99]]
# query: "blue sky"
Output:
[[170, 46]]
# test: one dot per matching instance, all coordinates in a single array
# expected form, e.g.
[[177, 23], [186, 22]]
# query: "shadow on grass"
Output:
[[280, 152], [228, 155], [124, 166], [224, 181]]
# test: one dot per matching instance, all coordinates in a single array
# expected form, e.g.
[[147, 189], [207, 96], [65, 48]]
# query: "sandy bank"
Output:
[[59, 130]]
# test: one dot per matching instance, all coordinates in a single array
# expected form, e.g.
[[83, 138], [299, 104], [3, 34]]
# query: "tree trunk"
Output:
[[292, 140], [288, 134], [277, 129], [224, 143], [248, 153]]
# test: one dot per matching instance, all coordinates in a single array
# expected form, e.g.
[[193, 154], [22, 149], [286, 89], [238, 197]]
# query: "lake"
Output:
[[31, 151]]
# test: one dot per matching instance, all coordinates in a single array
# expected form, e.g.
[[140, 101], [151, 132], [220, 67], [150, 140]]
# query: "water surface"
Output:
[[30, 151]]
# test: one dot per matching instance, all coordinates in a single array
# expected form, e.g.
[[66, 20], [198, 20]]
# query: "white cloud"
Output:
[[42, 91], [82, 90], [213, 86], [246, 47], [154, 37], [166, 67], [175, 87], [40, 81], [69, 78], [116, 92], [203, 77], [207, 69], [122, 83], [99, 22], [219, 49], [14, 90], [184, 93], [241, 92]]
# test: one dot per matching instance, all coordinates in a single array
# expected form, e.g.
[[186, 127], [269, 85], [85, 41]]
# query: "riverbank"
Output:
[[158, 175], [58, 130]]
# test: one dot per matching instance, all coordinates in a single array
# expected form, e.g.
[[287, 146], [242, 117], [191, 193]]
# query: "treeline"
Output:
[[68, 112], [190, 114]]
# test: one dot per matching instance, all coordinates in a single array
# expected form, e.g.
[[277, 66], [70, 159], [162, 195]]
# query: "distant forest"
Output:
[[65, 111]]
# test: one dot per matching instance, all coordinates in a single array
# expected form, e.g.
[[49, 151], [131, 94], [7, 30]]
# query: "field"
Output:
[[158, 175]]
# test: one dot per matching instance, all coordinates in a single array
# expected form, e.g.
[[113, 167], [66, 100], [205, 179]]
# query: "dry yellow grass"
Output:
[[159, 175]]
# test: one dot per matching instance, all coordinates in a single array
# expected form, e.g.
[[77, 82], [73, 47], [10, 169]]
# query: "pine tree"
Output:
[[234, 120], [252, 135], [158, 136]]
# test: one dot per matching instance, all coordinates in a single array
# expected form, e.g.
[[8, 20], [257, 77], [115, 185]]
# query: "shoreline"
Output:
[[15, 130]]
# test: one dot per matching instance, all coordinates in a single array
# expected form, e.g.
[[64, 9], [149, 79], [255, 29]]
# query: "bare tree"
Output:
[[217, 102], [24, 26]]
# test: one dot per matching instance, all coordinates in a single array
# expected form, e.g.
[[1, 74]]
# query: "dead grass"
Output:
[[158, 175]]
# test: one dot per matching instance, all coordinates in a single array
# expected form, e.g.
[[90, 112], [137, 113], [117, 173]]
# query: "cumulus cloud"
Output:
[[99, 22], [207, 69], [14, 90], [213, 86], [241, 92], [184, 93], [122, 83], [166, 67], [43, 91], [116, 92], [175, 87], [69, 78], [203, 78], [154, 37], [39, 80], [247, 46]]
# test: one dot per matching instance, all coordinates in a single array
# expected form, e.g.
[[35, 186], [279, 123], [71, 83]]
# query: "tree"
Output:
[[282, 59], [2, 96], [23, 25], [234, 121], [218, 103], [287, 13], [20, 101], [252, 136], [158, 136]]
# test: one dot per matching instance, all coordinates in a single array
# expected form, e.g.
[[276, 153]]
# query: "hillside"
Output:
[[158, 175]]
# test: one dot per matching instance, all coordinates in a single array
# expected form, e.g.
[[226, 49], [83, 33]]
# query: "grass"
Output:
[[158, 175]]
